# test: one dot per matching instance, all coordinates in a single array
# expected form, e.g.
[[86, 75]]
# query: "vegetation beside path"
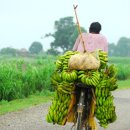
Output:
[[40, 98], [20, 104]]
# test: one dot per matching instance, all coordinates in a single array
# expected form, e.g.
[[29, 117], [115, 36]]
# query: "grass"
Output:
[[123, 84], [20, 104], [37, 99], [119, 60]]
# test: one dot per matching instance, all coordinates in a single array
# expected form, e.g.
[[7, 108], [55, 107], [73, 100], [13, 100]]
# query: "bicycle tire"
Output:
[[79, 122], [88, 128]]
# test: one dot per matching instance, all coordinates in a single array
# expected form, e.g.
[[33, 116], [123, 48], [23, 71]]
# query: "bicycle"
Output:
[[84, 97]]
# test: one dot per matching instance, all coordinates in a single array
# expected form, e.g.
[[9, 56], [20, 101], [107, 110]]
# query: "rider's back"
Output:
[[92, 42]]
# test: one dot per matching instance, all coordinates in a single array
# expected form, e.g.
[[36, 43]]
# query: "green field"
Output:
[[123, 67], [21, 77], [119, 60], [24, 79], [123, 84]]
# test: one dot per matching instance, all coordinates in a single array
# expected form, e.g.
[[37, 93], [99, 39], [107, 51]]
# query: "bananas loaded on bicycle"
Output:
[[102, 80]]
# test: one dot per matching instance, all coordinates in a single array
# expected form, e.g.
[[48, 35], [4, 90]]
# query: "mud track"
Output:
[[34, 118]]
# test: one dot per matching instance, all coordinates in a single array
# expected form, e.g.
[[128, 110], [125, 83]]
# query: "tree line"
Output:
[[64, 36], [122, 48], [35, 48]]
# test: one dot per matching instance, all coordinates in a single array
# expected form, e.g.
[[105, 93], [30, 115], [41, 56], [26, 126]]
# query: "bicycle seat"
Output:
[[81, 85]]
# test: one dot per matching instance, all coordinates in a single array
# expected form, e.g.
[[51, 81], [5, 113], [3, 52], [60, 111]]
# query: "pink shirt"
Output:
[[92, 42]]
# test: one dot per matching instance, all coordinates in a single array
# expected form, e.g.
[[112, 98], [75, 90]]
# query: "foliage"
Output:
[[111, 49], [73, 37], [8, 51], [123, 73], [20, 79], [53, 51], [121, 49], [119, 60], [35, 48], [124, 84], [123, 66], [65, 34]]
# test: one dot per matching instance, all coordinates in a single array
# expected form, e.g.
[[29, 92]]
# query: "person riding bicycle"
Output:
[[92, 40]]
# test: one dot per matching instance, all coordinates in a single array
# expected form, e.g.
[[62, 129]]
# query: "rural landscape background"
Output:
[[27, 72], [26, 69]]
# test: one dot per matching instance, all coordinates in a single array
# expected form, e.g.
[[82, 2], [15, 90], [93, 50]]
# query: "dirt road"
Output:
[[34, 118]]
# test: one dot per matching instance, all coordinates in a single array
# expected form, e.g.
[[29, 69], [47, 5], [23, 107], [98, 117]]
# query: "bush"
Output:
[[19, 79], [123, 72]]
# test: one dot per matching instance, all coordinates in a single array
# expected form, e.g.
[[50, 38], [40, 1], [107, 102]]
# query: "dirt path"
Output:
[[34, 118]]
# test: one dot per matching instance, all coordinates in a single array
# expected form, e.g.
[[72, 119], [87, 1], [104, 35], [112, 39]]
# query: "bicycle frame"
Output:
[[81, 102], [81, 109]]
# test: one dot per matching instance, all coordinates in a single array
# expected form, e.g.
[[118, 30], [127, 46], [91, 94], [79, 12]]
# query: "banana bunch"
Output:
[[102, 92], [56, 77], [112, 83], [103, 101], [66, 87], [62, 62], [59, 65], [64, 79], [108, 78], [102, 83], [103, 56], [69, 76], [90, 78], [111, 70], [105, 109], [91, 119], [59, 108], [106, 115]]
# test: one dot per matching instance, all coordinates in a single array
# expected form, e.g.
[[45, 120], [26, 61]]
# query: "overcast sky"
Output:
[[25, 21]]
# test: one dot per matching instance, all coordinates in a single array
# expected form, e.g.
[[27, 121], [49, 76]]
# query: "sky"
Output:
[[25, 21]]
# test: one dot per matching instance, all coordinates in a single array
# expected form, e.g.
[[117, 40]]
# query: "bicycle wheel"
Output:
[[79, 122], [88, 127]]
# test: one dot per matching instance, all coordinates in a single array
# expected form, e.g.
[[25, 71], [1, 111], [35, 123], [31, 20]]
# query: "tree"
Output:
[[52, 51], [65, 34], [8, 51], [35, 48], [111, 49], [74, 36], [123, 47]]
